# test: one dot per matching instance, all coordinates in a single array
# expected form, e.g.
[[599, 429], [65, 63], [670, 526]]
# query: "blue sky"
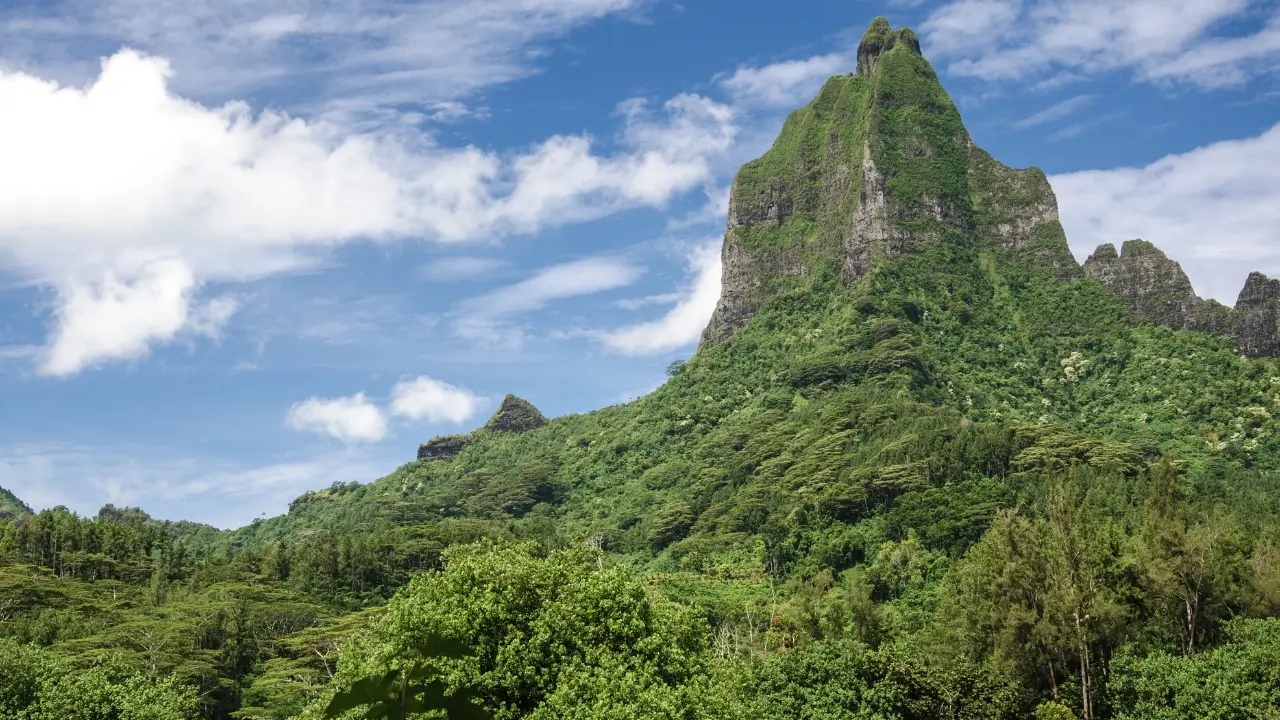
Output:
[[252, 248]]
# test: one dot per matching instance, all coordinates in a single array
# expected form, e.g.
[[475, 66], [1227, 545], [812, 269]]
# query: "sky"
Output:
[[249, 249]]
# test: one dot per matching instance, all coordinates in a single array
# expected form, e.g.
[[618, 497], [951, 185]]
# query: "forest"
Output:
[[961, 482]]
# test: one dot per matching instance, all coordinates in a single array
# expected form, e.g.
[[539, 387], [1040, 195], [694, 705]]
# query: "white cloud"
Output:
[[789, 83], [683, 324], [365, 61], [128, 199], [433, 400], [1056, 112], [1216, 210], [349, 419], [1158, 40], [487, 318]]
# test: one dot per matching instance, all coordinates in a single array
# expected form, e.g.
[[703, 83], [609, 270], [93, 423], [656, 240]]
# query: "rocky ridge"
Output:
[[1155, 287]]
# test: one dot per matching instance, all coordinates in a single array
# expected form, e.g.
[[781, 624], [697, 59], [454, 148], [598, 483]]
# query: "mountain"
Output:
[[892, 296], [922, 464], [11, 506]]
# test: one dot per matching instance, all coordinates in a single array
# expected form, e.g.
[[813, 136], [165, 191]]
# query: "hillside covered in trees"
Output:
[[923, 465]]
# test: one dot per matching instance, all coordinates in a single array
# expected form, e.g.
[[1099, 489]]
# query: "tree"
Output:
[[398, 693]]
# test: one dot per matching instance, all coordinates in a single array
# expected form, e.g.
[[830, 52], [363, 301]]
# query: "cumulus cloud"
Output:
[[682, 325], [349, 419], [129, 200], [487, 319], [1216, 210], [426, 398], [1158, 40]]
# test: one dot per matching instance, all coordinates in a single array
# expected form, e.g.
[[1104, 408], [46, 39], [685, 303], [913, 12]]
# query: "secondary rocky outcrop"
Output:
[[1255, 320], [516, 415], [443, 447], [1154, 286]]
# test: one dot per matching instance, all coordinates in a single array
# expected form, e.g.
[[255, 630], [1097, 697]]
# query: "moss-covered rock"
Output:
[[516, 415], [879, 165], [443, 447]]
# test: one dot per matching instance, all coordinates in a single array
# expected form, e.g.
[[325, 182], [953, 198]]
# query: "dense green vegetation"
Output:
[[968, 484]]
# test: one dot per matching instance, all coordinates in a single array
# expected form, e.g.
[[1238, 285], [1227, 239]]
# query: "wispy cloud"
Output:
[[488, 318], [172, 486], [788, 83], [1075, 130], [682, 325], [358, 60], [1063, 109], [457, 269], [1156, 40]]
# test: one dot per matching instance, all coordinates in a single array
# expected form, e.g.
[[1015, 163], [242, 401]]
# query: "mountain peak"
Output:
[[516, 415], [878, 165], [879, 39]]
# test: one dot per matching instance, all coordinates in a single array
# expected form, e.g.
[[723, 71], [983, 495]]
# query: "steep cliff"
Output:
[[878, 165], [1256, 318], [1154, 286]]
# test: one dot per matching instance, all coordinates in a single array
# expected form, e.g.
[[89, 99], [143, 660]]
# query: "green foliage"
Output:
[[38, 685], [399, 693]]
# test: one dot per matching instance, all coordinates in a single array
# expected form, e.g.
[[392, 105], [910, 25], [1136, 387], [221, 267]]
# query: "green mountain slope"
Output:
[[903, 328], [11, 506]]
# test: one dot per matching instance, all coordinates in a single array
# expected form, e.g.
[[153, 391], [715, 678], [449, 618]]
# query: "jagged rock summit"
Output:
[[1155, 287], [516, 415], [1255, 320], [878, 165]]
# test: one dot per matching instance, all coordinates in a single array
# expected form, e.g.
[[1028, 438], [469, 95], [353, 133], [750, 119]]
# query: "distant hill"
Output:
[[11, 506]]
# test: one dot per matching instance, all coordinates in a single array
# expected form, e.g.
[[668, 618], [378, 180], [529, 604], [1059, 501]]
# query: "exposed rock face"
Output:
[[515, 415], [880, 39], [1155, 287], [444, 447], [1256, 318], [1017, 208], [878, 165]]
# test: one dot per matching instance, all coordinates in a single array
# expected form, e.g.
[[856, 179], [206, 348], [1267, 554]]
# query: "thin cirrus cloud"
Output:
[[490, 319], [220, 195], [1064, 109], [368, 62], [1156, 40], [211, 490]]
